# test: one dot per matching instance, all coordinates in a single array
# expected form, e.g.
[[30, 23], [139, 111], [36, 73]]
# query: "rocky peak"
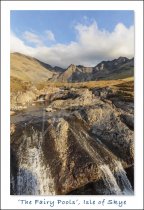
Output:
[[72, 68], [120, 60], [113, 64], [101, 66], [123, 59]]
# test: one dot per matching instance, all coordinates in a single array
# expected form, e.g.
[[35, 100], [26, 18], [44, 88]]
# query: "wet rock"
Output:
[[64, 95], [49, 109], [20, 100], [81, 98], [107, 126], [102, 92], [124, 106], [128, 120], [41, 98]]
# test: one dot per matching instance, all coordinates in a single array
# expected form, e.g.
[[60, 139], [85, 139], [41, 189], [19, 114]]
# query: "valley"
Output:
[[72, 130]]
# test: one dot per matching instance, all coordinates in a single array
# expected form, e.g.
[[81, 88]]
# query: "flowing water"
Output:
[[122, 179], [110, 181], [34, 177], [115, 183]]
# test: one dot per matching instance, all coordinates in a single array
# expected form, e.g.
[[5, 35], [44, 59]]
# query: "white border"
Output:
[[11, 202]]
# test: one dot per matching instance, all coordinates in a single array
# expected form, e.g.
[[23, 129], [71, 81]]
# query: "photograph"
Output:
[[72, 102]]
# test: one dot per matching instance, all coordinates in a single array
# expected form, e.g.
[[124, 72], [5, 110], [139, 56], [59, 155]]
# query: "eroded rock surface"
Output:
[[84, 146]]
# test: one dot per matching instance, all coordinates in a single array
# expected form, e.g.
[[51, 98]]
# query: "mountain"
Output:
[[116, 69], [29, 69], [74, 74], [114, 64]]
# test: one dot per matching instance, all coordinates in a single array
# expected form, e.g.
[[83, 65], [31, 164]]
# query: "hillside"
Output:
[[26, 68]]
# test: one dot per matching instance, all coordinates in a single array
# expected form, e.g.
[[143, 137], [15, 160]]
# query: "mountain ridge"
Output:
[[28, 68]]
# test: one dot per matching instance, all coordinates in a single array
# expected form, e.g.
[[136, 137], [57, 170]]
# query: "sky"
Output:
[[79, 37]]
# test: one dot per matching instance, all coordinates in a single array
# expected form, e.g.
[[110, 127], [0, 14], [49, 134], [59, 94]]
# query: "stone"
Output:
[[49, 109]]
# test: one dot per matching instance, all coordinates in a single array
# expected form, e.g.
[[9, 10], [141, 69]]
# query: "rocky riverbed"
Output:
[[72, 141]]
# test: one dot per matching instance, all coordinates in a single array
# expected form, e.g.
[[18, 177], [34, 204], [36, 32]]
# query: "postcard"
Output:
[[72, 106]]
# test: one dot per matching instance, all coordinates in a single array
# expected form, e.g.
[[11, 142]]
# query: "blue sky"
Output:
[[61, 23], [50, 29]]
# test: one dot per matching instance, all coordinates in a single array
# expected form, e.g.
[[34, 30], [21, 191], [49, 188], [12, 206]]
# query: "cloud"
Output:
[[92, 45], [32, 38], [50, 35], [17, 45]]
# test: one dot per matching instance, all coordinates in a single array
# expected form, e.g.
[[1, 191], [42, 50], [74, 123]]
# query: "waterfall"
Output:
[[34, 175], [83, 139], [110, 182], [122, 179], [115, 183], [26, 183]]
